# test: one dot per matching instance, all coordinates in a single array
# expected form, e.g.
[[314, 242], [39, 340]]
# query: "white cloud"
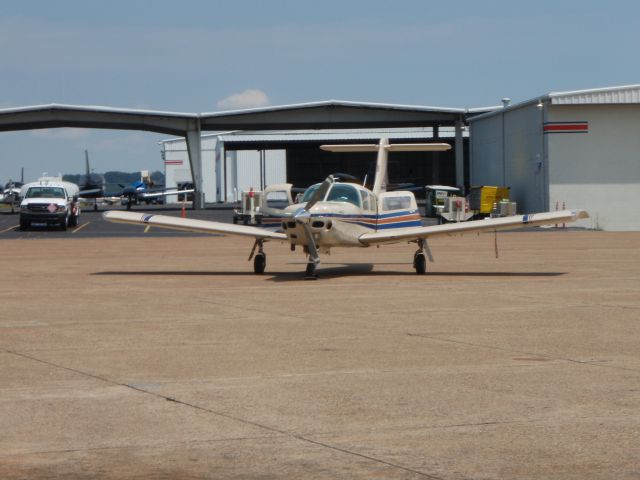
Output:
[[248, 99]]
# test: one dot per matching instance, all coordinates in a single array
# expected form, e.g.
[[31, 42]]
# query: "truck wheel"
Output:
[[24, 225], [64, 224]]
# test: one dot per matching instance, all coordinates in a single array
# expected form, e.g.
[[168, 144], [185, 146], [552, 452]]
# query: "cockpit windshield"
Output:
[[45, 192], [309, 192], [344, 192]]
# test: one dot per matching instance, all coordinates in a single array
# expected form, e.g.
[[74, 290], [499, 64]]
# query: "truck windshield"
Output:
[[45, 192]]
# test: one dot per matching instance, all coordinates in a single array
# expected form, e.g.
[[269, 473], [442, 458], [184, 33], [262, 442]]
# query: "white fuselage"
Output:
[[340, 220]]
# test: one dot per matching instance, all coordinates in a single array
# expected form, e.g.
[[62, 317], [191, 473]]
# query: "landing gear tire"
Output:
[[310, 272], [420, 263], [259, 263]]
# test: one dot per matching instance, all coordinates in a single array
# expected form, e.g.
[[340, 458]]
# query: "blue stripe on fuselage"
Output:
[[354, 219]]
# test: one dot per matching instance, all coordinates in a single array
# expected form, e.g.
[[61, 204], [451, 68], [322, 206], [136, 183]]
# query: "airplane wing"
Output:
[[166, 193], [93, 191], [394, 235], [191, 225]]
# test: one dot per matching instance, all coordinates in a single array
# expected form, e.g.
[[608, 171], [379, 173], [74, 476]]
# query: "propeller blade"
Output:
[[320, 193], [311, 244], [346, 177]]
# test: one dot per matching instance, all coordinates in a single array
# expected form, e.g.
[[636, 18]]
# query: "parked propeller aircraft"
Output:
[[145, 191], [10, 195], [340, 214], [91, 185]]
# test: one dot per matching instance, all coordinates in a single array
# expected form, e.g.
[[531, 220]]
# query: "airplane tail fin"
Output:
[[383, 147], [86, 159]]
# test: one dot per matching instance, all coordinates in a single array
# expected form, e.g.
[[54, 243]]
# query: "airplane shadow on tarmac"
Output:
[[328, 271]]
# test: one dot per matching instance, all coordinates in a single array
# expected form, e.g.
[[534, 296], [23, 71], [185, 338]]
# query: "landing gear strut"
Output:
[[260, 258], [314, 260]]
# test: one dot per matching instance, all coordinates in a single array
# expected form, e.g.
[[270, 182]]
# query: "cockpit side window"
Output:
[[396, 203], [364, 196], [373, 202], [344, 193]]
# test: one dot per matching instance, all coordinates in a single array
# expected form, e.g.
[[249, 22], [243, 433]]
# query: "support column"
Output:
[[194, 149], [218, 168], [459, 153], [233, 175]]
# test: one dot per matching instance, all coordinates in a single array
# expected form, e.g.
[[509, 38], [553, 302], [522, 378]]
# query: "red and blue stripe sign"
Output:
[[566, 127]]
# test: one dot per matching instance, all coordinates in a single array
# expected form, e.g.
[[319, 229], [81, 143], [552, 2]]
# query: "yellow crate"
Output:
[[483, 197]]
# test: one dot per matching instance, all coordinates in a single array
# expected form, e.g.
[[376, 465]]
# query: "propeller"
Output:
[[320, 193], [303, 215], [346, 177]]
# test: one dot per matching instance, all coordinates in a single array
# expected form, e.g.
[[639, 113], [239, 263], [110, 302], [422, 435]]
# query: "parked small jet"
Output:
[[340, 214]]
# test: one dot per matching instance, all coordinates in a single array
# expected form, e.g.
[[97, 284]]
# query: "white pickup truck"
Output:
[[47, 203]]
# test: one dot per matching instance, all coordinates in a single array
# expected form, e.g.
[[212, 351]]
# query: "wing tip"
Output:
[[579, 214]]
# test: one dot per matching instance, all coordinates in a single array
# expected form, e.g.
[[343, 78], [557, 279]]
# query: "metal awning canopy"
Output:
[[315, 115], [55, 116]]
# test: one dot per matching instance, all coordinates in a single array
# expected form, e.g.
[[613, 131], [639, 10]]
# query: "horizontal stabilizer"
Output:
[[166, 193], [398, 147], [372, 147], [418, 147]]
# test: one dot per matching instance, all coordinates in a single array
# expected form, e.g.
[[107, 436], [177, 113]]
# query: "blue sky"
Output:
[[201, 56]]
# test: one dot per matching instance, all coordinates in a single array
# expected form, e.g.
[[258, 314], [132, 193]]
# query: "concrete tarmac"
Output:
[[168, 358]]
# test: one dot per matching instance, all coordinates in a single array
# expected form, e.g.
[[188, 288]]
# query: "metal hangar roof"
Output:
[[331, 114]]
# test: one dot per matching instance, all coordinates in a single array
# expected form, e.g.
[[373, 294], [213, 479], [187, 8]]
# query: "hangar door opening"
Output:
[[245, 169], [307, 164]]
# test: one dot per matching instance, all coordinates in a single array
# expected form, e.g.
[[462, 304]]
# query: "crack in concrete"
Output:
[[230, 417]]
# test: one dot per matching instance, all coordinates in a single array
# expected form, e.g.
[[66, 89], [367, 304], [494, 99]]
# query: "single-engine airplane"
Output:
[[341, 214]]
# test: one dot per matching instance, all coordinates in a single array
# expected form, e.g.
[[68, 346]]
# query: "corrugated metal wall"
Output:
[[507, 149], [598, 170], [176, 173]]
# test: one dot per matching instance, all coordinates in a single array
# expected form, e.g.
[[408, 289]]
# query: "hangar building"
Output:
[[578, 149], [260, 158]]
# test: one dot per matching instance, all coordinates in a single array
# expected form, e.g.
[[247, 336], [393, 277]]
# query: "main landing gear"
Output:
[[260, 258], [420, 257]]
